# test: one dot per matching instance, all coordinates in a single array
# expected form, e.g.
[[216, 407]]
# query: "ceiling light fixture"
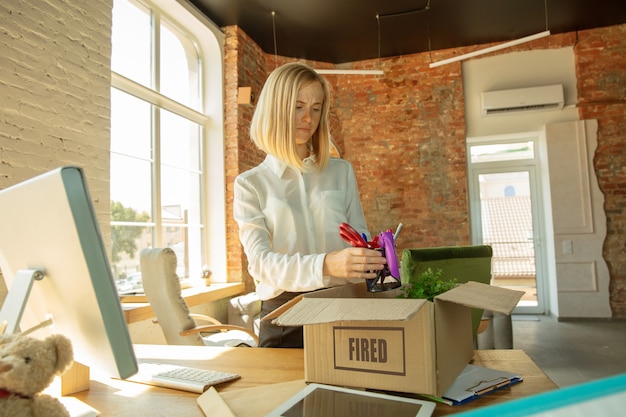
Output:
[[500, 46], [491, 49], [350, 72]]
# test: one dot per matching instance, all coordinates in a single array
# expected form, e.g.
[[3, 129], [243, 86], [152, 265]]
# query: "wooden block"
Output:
[[76, 379], [245, 96]]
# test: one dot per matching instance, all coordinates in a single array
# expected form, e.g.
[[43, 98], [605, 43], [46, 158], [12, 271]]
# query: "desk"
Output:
[[260, 366], [138, 311]]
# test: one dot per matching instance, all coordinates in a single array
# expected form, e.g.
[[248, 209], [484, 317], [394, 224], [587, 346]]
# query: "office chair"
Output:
[[245, 311], [162, 288], [465, 263]]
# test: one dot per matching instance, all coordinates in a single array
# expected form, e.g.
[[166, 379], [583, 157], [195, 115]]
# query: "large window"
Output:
[[158, 136]]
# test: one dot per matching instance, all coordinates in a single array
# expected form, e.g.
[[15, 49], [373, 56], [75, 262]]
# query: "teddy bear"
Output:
[[27, 366]]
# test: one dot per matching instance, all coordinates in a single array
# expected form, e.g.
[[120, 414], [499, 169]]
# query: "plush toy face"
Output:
[[28, 365]]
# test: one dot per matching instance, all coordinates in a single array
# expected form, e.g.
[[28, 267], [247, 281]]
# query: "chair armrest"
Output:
[[219, 327], [484, 324], [202, 317], [197, 317], [244, 310]]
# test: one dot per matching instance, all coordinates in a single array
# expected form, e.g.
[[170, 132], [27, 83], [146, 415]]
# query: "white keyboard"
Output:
[[180, 377]]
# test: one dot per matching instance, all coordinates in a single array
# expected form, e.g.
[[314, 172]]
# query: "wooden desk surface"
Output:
[[137, 311], [262, 366]]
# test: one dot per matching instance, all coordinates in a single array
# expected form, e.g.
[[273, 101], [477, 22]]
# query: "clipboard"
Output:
[[476, 381]]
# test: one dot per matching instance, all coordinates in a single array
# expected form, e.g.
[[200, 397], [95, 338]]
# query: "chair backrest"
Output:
[[162, 288], [465, 263]]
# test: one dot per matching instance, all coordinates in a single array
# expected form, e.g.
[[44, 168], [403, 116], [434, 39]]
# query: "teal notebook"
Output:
[[604, 397]]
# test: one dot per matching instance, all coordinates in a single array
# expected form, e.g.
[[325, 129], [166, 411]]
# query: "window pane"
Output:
[[180, 141], [179, 67], [507, 226], [128, 241], [185, 243], [502, 152], [194, 255], [175, 237], [131, 183], [180, 191], [156, 196], [180, 165], [131, 40], [130, 125]]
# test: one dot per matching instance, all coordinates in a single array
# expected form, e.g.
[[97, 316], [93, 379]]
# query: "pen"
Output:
[[395, 235]]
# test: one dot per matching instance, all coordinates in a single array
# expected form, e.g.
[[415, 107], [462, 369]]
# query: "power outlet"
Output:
[[568, 247]]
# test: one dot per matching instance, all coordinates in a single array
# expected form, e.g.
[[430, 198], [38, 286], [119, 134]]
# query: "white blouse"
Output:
[[288, 222]]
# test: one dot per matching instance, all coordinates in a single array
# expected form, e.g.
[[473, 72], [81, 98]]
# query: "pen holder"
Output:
[[387, 278]]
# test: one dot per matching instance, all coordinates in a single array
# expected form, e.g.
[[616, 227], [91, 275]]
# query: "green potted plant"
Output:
[[427, 285]]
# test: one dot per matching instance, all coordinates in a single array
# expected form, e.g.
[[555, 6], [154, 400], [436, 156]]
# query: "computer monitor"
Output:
[[48, 224]]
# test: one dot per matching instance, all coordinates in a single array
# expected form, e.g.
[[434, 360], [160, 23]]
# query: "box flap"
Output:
[[280, 310], [488, 297], [351, 290], [328, 310], [454, 341]]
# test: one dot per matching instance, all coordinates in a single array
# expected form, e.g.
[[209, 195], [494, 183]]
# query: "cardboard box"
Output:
[[360, 339]]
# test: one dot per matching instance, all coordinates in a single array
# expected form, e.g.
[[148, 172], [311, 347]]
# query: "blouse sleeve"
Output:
[[287, 272]]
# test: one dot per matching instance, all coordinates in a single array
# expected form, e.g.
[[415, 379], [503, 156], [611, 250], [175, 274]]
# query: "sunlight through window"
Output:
[[156, 142]]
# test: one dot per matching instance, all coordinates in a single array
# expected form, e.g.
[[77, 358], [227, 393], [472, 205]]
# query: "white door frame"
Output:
[[533, 167]]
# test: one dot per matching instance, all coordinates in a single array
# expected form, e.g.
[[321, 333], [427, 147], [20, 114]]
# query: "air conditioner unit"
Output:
[[549, 97]]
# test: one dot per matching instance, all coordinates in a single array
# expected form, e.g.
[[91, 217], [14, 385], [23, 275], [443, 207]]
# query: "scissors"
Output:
[[350, 235]]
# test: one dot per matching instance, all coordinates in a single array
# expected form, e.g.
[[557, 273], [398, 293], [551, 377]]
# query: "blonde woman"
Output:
[[290, 206]]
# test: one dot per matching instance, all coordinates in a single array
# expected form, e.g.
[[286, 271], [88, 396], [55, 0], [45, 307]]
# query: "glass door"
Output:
[[505, 215]]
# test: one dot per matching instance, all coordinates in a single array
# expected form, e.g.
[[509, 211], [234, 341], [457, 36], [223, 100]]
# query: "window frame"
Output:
[[209, 41]]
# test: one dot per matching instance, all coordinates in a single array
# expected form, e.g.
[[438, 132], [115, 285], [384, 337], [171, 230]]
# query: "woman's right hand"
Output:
[[354, 263]]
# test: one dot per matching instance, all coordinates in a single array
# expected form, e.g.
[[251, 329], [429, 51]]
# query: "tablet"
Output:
[[317, 400]]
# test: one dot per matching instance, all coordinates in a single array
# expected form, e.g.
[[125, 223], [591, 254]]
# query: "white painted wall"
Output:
[[518, 70], [55, 92], [570, 295]]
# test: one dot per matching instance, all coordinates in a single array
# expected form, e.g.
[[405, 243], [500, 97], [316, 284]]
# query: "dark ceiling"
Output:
[[338, 31]]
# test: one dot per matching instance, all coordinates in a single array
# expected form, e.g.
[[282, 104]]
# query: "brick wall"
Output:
[[404, 132], [242, 61], [601, 74], [55, 84]]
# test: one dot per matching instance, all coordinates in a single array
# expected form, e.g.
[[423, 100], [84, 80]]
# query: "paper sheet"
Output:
[[247, 402], [475, 381]]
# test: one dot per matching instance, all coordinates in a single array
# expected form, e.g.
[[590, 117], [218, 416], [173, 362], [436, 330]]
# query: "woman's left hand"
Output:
[[354, 262]]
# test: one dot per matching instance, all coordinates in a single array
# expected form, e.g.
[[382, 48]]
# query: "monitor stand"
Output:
[[15, 301], [76, 378]]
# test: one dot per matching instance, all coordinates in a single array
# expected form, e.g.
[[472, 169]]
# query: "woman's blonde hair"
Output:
[[272, 128]]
